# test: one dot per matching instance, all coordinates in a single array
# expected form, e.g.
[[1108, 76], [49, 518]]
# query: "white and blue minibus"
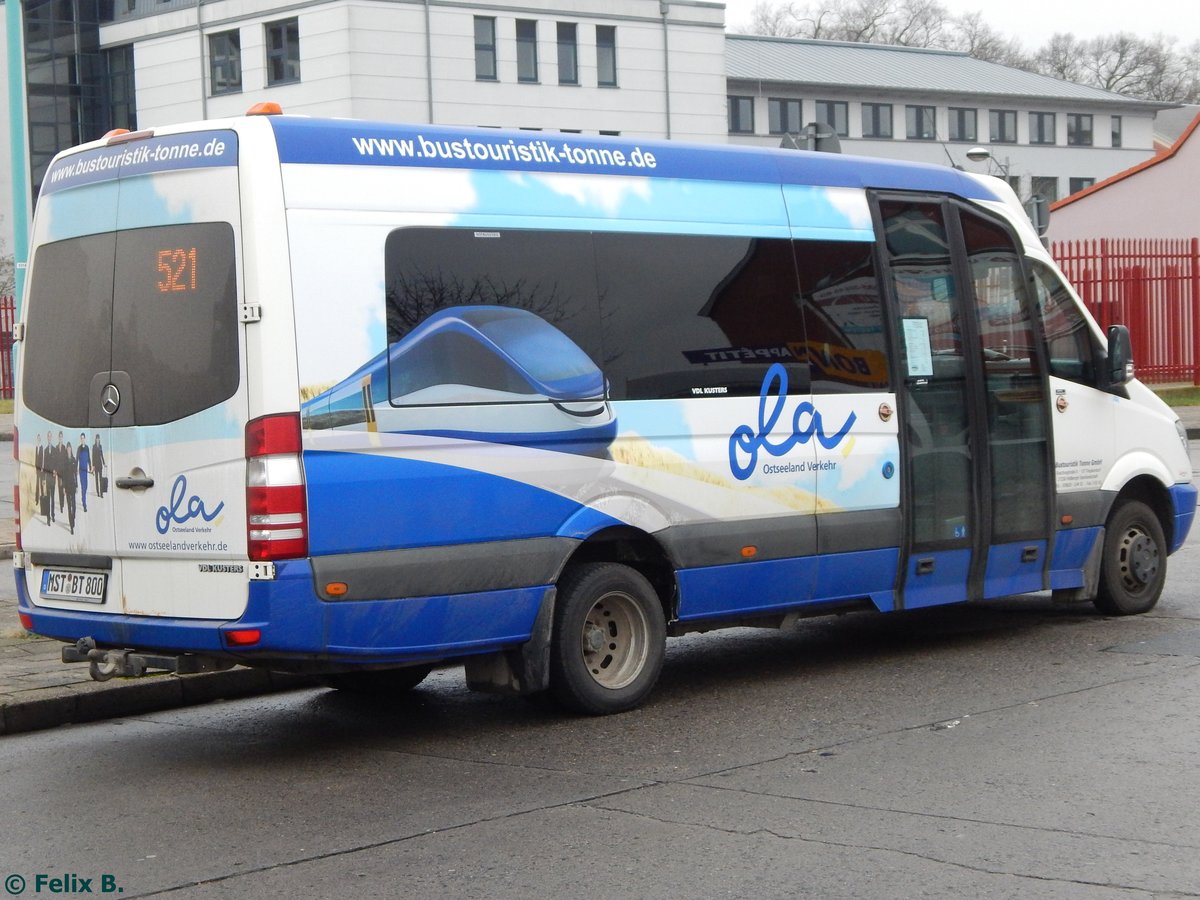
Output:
[[360, 399]]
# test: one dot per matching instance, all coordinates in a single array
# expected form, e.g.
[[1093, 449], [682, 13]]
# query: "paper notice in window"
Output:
[[918, 350]]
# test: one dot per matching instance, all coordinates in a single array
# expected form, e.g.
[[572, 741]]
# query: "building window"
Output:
[[1041, 128], [122, 105], [1116, 131], [606, 55], [485, 48], [225, 62], [921, 122], [1014, 182], [1079, 130], [1081, 184], [283, 51], [1045, 187], [963, 124], [783, 116], [527, 60], [877, 120], [568, 54], [835, 114], [741, 115], [1002, 124]]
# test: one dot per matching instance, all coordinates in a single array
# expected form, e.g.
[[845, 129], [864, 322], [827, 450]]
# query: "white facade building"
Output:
[[635, 67], [1051, 137]]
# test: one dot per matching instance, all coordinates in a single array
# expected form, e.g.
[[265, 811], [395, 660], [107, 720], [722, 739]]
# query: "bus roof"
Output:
[[350, 142]]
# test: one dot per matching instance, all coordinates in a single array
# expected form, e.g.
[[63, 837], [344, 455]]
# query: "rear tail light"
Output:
[[276, 502], [243, 637]]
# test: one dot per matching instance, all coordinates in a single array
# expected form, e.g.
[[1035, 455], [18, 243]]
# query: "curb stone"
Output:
[[92, 701]]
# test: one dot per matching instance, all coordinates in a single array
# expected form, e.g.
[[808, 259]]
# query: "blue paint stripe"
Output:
[[296, 623], [752, 588], [1072, 547], [347, 142], [192, 150], [360, 502], [1183, 500], [1007, 574], [947, 583]]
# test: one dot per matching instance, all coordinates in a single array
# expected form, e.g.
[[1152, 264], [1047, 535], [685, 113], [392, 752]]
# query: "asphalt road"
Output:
[[1012, 749]]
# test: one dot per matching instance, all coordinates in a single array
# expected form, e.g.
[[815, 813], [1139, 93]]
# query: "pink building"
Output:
[[1157, 198]]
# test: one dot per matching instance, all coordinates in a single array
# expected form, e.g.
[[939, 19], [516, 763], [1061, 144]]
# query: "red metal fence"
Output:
[[1153, 286]]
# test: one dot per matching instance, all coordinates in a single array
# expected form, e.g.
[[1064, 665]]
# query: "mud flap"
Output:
[[1091, 577], [525, 670]]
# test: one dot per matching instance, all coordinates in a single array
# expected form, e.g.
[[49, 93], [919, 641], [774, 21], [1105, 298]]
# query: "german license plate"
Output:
[[86, 586]]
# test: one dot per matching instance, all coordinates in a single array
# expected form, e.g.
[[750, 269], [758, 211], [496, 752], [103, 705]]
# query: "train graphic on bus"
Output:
[[482, 373]]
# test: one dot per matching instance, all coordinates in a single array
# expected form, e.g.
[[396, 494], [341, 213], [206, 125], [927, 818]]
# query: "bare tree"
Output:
[[972, 35], [776, 20], [1147, 68], [1061, 57]]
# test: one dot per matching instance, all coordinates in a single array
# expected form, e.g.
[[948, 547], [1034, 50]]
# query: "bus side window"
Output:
[[1070, 345], [843, 316]]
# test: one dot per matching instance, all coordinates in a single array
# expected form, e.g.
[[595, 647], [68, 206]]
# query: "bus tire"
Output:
[[1134, 566], [609, 639], [378, 682]]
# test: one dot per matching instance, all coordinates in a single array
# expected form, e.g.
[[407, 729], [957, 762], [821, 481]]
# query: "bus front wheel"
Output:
[[1134, 566], [609, 639]]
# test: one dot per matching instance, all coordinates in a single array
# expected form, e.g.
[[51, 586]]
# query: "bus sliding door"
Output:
[[978, 501]]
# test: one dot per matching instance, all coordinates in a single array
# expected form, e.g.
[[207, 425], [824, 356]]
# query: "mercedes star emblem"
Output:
[[110, 399]]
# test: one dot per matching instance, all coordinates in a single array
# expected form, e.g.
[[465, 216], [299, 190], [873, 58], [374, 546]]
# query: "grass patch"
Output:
[[1180, 396], [6, 406]]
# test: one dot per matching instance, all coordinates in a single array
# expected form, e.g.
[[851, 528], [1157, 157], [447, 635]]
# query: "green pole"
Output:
[[19, 158]]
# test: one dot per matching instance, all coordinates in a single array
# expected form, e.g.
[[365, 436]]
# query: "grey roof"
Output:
[[905, 69], [1169, 124]]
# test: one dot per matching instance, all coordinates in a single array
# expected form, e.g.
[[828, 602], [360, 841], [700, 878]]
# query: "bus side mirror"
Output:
[[1120, 356]]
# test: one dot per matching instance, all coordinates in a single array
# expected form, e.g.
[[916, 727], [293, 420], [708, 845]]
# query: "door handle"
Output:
[[135, 482], [925, 566]]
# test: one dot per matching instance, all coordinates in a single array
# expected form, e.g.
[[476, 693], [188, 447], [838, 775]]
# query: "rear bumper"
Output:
[[295, 624]]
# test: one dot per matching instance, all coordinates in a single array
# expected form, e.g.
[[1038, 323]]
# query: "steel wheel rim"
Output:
[[1139, 559], [614, 640]]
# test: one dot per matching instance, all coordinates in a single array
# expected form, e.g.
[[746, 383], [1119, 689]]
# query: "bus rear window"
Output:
[[69, 326], [157, 303]]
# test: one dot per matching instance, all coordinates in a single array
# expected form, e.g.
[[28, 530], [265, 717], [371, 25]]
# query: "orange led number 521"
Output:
[[177, 270]]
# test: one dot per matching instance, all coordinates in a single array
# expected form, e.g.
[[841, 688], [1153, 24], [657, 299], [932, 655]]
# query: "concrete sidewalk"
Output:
[[38, 690]]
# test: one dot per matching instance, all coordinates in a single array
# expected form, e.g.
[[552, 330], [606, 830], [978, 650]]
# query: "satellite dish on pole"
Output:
[[813, 136]]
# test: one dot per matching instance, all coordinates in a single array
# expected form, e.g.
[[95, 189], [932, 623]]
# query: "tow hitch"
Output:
[[106, 664]]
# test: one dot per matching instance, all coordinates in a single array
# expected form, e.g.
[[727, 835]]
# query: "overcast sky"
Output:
[[1034, 21]]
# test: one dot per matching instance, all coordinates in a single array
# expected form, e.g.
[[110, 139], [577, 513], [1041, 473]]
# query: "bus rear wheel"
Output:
[[609, 639], [1134, 566]]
